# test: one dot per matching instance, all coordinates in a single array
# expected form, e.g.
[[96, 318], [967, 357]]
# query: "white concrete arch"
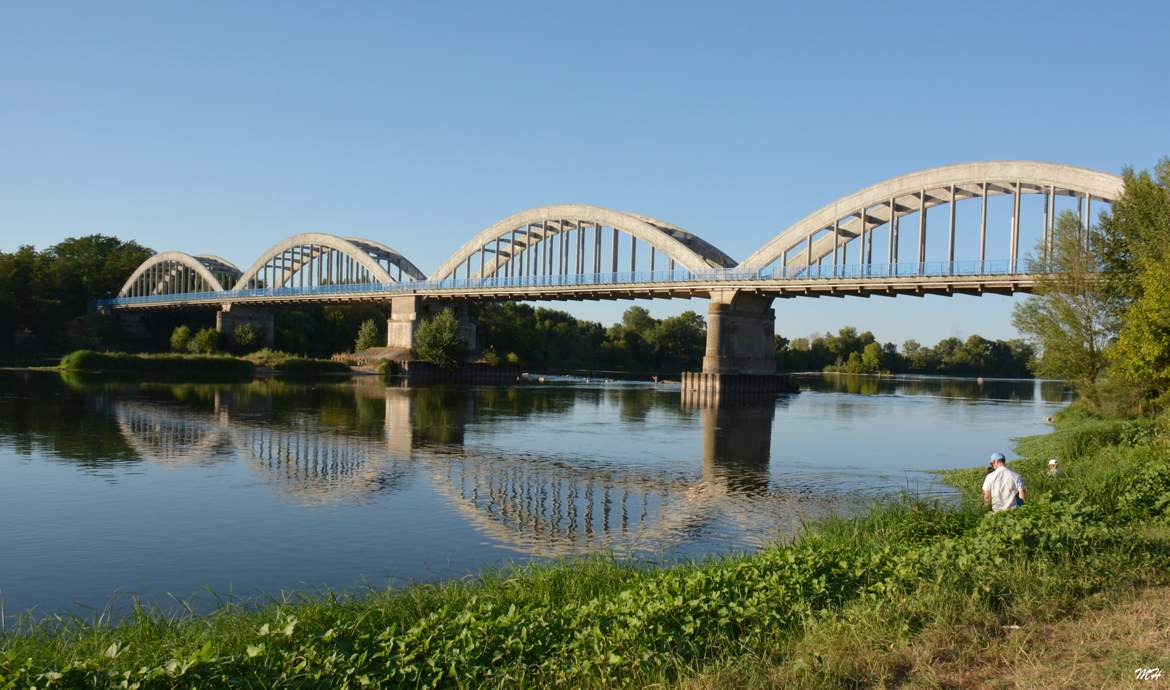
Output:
[[905, 194], [291, 254], [162, 267], [393, 256], [681, 247]]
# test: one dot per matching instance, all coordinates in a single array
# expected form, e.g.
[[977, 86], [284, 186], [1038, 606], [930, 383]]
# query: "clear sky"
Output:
[[222, 127]]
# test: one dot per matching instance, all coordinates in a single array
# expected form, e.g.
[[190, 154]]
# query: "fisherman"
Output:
[[1053, 468], [1003, 489]]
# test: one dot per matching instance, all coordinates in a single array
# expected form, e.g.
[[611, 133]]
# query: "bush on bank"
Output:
[[599, 623], [158, 366]]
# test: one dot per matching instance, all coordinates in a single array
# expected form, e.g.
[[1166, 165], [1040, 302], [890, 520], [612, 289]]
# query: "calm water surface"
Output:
[[109, 491]]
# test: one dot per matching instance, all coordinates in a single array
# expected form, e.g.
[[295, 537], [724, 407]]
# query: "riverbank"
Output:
[[179, 367], [839, 607], [167, 367]]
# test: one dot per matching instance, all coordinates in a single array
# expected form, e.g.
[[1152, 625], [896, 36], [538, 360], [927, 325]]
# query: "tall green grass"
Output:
[[817, 611], [158, 366]]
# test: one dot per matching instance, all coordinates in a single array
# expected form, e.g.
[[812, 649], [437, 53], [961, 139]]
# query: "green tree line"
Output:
[[860, 353], [553, 339], [45, 293], [548, 338]]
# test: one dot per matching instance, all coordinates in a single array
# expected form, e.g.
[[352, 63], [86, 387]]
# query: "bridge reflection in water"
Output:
[[349, 443]]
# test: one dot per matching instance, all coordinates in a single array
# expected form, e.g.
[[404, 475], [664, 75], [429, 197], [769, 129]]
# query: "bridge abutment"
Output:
[[230, 317], [408, 312]]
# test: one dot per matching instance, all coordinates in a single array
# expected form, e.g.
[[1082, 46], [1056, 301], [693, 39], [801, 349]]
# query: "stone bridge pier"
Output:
[[231, 316], [408, 312], [741, 349]]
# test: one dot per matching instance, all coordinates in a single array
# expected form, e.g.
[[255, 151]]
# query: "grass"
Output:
[[910, 594], [158, 366], [293, 365]]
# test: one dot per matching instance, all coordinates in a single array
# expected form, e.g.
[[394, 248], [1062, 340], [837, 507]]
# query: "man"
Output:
[[1003, 489], [1053, 468]]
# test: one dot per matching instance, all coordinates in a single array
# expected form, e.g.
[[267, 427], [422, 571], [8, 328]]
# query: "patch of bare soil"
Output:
[[1103, 647]]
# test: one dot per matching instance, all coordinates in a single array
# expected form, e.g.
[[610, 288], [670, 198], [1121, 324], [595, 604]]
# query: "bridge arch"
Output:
[[320, 259], [171, 273], [855, 218], [572, 239]]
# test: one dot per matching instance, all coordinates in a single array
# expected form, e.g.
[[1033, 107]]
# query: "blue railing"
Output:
[[725, 275]]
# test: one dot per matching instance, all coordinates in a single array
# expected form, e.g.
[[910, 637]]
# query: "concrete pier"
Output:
[[741, 329], [229, 317], [741, 351], [408, 312]]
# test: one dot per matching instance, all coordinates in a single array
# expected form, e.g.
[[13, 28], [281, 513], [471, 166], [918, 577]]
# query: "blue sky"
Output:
[[219, 127]]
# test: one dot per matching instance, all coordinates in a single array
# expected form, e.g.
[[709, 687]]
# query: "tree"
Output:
[[181, 339], [437, 341], [1072, 315], [205, 342], [638, 320], [41, 291], [367, 336], [245, 336], [1135, 234], [680, 342], [871, 358]]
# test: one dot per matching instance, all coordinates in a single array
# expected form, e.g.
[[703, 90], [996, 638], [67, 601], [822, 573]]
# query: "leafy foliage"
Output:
[[438, 341], [245, 337], [181, 338], [322, 331], [42, 291], [163, 366], [1072, 316], [205, 342], [860, 353], [1102, 319], [1138, 260], [548, 338], [368, 336]]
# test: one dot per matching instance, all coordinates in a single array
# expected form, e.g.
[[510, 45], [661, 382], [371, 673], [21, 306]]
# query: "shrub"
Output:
[[491, 359], [245, 336], [389, 367], [367, 336], [437, 341], [181, 339], [268, 357], [512, 358], [205, 342]]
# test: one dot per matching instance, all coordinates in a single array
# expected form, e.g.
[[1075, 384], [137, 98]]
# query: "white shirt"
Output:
[[1004, 486]]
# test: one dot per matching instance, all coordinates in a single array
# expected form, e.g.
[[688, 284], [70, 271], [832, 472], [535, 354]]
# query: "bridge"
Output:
[[872, 242]]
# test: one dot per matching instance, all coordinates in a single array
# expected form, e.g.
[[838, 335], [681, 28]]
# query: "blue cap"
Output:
[[997, 457]]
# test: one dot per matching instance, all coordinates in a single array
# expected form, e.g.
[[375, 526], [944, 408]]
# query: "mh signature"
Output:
[[1147, 673]]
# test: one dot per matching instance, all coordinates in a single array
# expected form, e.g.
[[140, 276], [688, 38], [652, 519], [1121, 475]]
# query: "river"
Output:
[[204, 492]]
